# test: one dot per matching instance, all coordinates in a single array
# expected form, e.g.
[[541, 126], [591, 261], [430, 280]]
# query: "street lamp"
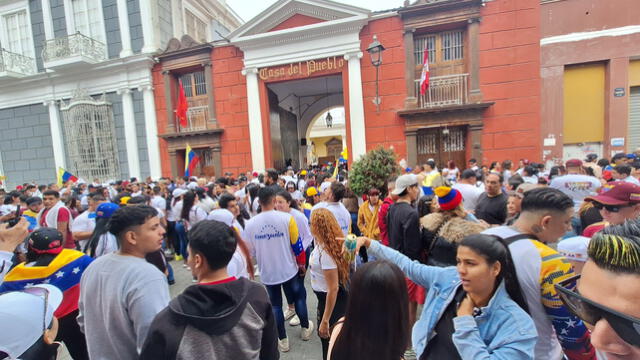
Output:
[[375, 50]]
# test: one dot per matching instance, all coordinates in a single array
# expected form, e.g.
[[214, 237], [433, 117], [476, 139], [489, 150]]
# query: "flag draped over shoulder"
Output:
[[64, 176], [63, 272], [190, 161]]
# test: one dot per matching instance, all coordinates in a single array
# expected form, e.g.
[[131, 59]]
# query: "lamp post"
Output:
[[375, 50]]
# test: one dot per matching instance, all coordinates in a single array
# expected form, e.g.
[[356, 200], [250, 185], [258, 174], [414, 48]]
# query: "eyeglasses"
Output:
[[627, 327], [609, 208], [38, 291]]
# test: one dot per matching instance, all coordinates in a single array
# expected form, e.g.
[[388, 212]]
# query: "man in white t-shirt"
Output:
[[274, 241], [467, 187], [576, 184], [334, 195], [83, 226]]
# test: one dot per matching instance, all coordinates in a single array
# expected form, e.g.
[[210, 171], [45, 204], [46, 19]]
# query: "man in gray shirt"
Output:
[[121, 293]]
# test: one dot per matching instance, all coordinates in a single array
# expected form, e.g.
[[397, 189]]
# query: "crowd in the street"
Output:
[[502, 261]]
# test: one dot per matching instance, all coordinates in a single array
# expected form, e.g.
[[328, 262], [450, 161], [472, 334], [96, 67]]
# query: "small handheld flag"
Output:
[[191, 160], [64, 176]]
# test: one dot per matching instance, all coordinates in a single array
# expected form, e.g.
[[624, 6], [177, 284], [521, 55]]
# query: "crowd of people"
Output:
[[485, 262]]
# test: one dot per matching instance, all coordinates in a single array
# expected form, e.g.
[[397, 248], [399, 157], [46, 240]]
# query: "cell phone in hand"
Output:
[[13, 222]]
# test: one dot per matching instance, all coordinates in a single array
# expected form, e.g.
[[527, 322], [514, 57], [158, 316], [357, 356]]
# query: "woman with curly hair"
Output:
[[329, 273]]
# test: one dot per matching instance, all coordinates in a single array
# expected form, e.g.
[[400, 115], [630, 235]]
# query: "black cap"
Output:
[[591, 157], [46, 240]]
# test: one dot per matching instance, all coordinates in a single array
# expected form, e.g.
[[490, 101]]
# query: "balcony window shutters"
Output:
[[195, 89], [89, 132], [86, 16], [18, 33]]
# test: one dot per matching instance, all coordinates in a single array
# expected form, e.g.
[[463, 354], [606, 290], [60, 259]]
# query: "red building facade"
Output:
[[252, 100]]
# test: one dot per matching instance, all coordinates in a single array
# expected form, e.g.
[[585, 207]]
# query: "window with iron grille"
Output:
[[89, 131], [194, 84], [443, 47]]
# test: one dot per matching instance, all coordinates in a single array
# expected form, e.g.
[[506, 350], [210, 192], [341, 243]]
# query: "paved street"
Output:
[[300, 350]]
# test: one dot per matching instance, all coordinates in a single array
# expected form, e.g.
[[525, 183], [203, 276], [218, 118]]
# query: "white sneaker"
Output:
[[305, 333], [295, 321], [288, 314], [283, 345]]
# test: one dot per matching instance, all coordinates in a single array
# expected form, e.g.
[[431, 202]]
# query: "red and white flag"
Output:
[[424, 77]]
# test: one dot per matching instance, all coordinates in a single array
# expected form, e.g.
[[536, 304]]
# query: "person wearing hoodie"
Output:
[[221, 317]]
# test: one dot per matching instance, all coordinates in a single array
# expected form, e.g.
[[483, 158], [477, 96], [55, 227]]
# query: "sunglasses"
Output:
[[609, 208], [40, 292], [627, 327]]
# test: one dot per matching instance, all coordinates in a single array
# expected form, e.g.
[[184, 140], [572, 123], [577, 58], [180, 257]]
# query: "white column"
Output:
[[56, 134], [255, 119], [148, 31], [125, 34], [130, 133], [48, 20], [151, 129], [356, 107]]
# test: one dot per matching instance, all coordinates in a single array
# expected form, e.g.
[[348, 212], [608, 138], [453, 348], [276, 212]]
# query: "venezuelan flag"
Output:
[[191, 159], [64, 176], [64, 272]]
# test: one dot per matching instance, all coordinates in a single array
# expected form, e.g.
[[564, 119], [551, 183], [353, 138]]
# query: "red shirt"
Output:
[[64, 215], [382, 220]]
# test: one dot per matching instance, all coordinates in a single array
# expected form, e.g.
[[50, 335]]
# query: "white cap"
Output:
[[574, 248], [179, 192], [403, 182], [21, 317], [324, 186], [192, 186], [223, 215]]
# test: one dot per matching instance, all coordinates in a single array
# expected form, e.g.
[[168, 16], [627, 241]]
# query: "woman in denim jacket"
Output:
[[474, 310]]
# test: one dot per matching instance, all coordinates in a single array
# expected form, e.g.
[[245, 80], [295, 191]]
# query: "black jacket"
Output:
[[231, 320]]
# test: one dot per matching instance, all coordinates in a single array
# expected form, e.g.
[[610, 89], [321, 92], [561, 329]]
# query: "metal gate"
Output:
[[442, 145], [633, 135]]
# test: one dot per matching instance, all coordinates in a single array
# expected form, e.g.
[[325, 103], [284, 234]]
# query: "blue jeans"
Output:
[[293, 289], [181, 233]]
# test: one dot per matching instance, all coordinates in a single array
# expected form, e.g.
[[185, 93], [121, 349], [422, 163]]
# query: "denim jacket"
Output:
[[502, 331]]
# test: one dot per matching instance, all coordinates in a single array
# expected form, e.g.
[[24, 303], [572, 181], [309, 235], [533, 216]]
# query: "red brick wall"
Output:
[[161, 116], [295, 21], [384, 128], [510, 76], [230, 92]]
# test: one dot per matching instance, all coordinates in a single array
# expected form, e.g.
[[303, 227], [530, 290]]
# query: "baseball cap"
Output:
[[222, 215], [46, 240], [178, 192], [574, 248], [574, 163], [324, 186], [632, 156], [617, 193], [403, 182], [303, 172], [21, 317], [312, 191], [591, 157], [105, 210], [523, 188]]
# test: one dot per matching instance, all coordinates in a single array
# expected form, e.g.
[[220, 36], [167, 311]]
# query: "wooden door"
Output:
[[441, 145]]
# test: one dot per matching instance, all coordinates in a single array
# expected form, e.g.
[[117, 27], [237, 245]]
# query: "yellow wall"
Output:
[[584, 103], [634, 73], [321, 148]]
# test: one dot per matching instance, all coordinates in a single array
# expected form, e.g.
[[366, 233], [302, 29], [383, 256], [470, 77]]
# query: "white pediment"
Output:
[[324, 10]]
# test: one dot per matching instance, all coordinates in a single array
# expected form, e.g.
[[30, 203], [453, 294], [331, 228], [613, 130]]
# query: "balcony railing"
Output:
[[443, 91], [196, 119], [74, 46], [16, 64]]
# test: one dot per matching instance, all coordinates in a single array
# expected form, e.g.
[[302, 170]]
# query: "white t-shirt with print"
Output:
[[238, 265], [340, 212], [84, 223], [319, 261], [576, 186]]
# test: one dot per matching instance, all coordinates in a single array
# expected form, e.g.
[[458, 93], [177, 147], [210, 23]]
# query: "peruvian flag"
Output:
[[424, 77], [183, 106]]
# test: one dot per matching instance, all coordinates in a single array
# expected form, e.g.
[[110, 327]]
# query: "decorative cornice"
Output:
[[354, 54], [145, 87], [123, 91], [250, 70]]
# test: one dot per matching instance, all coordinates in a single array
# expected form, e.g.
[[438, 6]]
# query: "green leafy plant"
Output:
[[373, 170]]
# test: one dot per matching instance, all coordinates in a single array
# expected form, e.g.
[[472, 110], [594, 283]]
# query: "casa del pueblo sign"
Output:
[[302, 68]]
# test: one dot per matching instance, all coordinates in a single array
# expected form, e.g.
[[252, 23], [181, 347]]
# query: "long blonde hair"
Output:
[[325, 230]]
